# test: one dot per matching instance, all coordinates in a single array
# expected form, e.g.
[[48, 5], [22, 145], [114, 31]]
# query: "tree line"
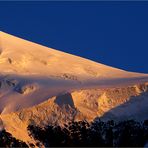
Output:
[[7, 140], [98, 134]]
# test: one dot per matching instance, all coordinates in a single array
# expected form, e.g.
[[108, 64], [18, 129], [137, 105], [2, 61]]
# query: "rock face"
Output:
[[114, 103]]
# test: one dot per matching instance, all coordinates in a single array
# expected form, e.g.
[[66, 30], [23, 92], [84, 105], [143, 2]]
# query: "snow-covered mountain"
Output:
[[41, 85]]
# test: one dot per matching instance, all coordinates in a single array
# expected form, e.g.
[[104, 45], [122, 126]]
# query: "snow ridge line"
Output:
[[0, 43]]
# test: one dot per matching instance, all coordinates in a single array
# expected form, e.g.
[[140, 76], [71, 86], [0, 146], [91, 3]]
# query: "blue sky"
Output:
[[113, 33]]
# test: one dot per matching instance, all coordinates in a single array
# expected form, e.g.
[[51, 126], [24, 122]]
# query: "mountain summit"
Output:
[[41, 85]]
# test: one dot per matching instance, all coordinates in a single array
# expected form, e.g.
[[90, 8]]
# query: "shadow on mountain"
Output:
[[31, 87], [136, 108], [39, 88], [65, 99]]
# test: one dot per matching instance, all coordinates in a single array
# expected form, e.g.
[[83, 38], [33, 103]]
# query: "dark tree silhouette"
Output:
[[6, 140], [97, 134]]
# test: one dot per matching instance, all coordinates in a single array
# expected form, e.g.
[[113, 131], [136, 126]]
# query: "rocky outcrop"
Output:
[[80, 105]]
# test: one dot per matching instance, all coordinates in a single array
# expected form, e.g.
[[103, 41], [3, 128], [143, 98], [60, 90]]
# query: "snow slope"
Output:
[[41, 86], [31, 74]]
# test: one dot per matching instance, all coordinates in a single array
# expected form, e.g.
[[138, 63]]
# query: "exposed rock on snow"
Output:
[[113, 103]]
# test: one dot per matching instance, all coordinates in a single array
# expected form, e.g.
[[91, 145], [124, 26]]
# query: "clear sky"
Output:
[[113, 33]]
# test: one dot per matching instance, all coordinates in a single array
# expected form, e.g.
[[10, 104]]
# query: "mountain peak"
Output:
[[32, 73], [41, 85]]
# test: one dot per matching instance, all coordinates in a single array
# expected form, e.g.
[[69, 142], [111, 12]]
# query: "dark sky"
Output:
[[113, 33]]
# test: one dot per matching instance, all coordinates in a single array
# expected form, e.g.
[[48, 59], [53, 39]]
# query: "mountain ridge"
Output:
[[41, 86], [29, 69]]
